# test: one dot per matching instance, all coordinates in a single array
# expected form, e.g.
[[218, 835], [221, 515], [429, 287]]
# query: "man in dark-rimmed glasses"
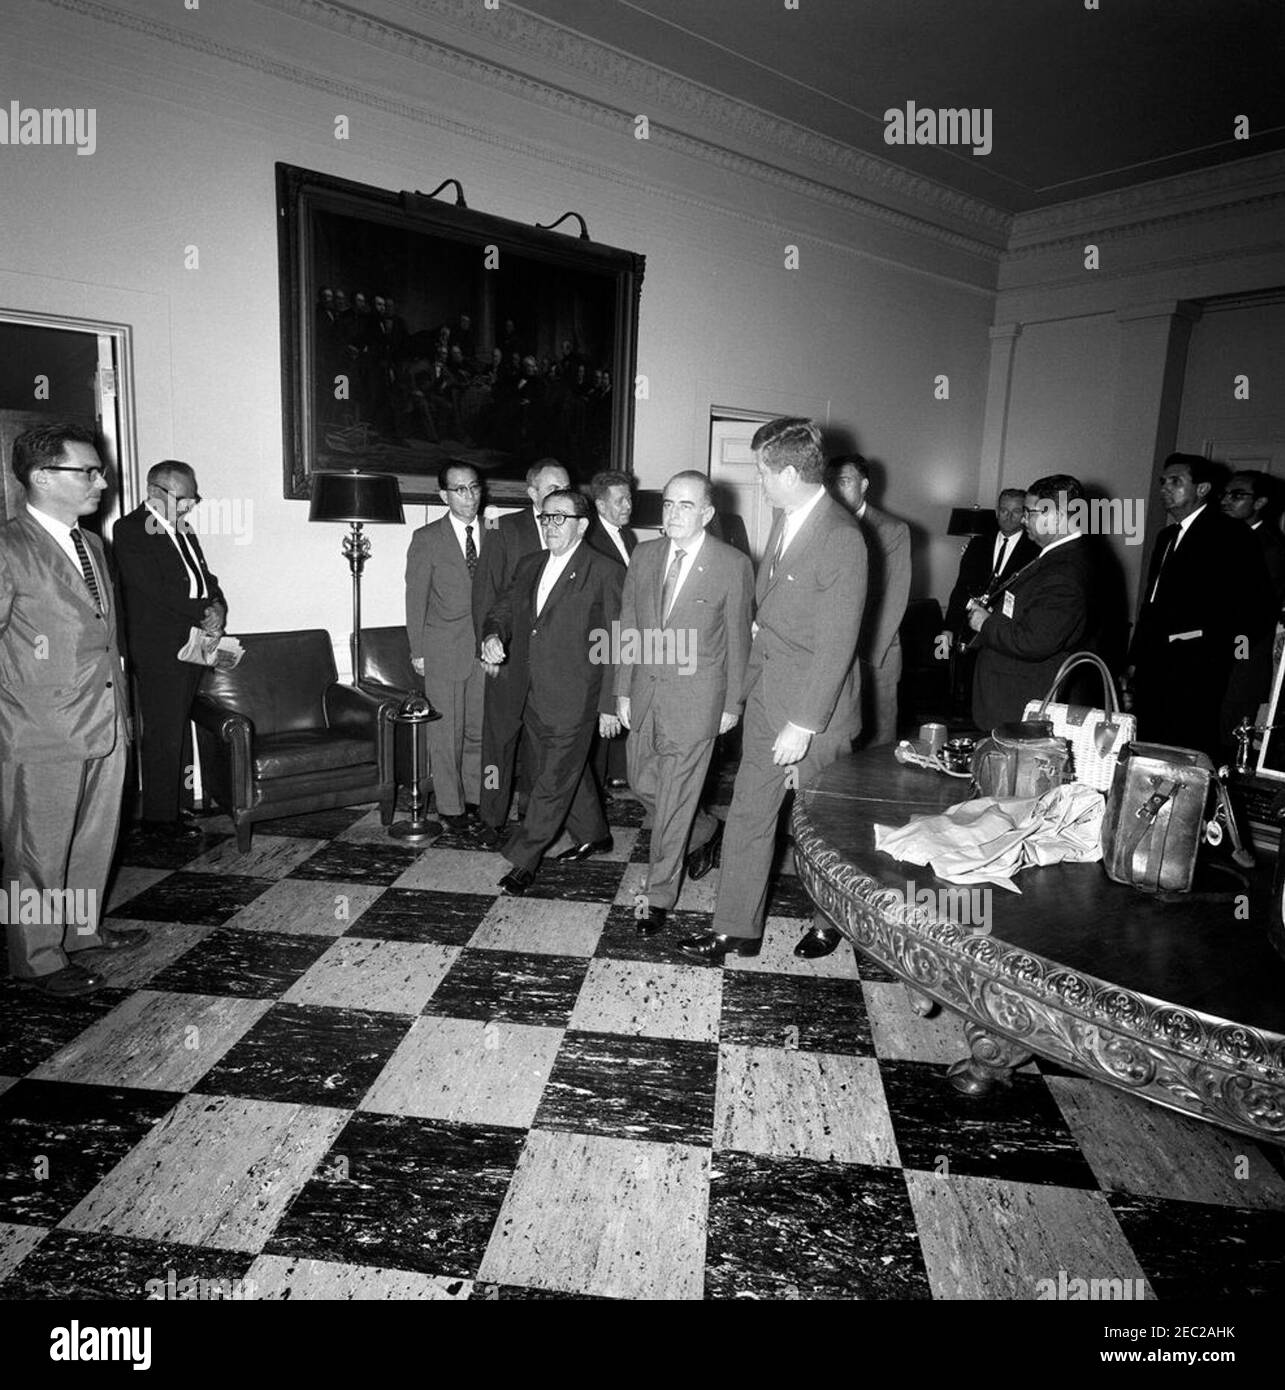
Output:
[[552, 627], [63, 726]]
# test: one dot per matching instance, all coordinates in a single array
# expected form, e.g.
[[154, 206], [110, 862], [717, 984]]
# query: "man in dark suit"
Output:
[[515, 534], [63, 716], [442, 568], [553, 626], [166, 590], [1207, 599], [613, 500], [685, 639], [887, 591], [1042, 613], [1249, 497], [986, 561], [802, 685]]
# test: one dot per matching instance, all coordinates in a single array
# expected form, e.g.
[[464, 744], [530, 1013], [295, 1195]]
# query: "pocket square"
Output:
[[1186, 636]]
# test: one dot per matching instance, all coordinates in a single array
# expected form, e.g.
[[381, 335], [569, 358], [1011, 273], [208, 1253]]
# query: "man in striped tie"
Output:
[[63, 724], [166, 591]]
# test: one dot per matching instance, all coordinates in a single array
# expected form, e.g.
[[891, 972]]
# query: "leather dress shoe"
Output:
[[652, 922], [818, 941], [122, 938], [489, 835], [516, 882], [579, 852], [68, 983], [713, 946], [701, 861], [460, 821]]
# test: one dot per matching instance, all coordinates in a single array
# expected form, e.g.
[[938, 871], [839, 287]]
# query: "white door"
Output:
[[736, 485]]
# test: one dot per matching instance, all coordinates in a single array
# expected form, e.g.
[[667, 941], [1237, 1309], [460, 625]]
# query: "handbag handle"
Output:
[[1110, 702]]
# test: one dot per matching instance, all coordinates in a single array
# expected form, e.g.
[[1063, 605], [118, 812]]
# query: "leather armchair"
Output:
[[279, 736], [386, 672]]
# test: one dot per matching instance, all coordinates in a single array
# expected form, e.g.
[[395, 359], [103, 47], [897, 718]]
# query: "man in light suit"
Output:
[[166, 590], [63, 716], [441, 579], [1207, 597], [686, 611], [515, 534], [887, 592], [802, 686], [553, 626]]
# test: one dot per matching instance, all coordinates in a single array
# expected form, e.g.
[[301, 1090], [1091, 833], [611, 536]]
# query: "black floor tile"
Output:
[[590, 881], [85, 1265], [319, 825], [33, 1026], [660, 1089], [244, 964], [202, 900], [1016, 1133], [419, 1194], [620, 940], [785, 1228], [510, 987], [152, 849], [1191, 1251], [797, 1011], [308, 1056], [424, 914], [358, 863], [59, 1139]]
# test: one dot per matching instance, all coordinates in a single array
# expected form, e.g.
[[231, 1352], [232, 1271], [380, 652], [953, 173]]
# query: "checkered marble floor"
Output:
[[346, 1068]]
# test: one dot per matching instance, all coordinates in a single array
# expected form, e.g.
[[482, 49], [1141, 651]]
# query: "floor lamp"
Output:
[[360, 499]]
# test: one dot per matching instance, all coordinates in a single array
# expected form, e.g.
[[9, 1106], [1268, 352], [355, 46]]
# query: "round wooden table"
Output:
[[1180, 1001]]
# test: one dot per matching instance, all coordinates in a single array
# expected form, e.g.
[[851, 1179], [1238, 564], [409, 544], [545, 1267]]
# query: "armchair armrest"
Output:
[[232, 735], [389, 692], [355, 710]]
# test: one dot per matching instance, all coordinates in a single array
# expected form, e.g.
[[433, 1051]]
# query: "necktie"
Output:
[[1170, 541], [82, 554], [780, 550], [470, 550], [188, 551], [999, 562], [670, 587]]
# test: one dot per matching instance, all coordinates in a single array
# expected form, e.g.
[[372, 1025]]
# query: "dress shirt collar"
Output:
[[794, 520], [1185, 524], [690, 550], [458, 527]]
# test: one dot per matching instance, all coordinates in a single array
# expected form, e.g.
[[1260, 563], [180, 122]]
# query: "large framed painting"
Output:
[[416, 334]]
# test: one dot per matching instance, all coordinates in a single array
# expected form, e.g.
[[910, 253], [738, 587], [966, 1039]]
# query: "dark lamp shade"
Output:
[[972, 521], [365, 497]]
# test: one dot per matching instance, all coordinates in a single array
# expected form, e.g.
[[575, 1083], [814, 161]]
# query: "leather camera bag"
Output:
[[1019, 760]]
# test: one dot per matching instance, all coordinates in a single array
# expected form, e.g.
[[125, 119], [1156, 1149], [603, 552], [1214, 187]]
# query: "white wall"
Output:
[[194, 108]]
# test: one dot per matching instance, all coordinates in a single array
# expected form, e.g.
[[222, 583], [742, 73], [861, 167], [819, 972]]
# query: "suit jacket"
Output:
[[514, 535], [62, 694], [809, 619], [439, 598], [563, 657], [597, 537], [975, 573], [711, 615], [154, 589], [887, 585], [1213, 584], [1054, 613]]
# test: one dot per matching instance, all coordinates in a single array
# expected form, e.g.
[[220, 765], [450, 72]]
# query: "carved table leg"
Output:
[[921, 1003], [991, 1064]]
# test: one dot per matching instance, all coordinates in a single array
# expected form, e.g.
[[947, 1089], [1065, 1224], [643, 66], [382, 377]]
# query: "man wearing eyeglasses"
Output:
[[551, 628], [63, 716], [515, 534], [442, 578], [166, 590]]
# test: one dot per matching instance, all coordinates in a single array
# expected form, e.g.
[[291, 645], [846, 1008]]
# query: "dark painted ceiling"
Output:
[[1083, 101]]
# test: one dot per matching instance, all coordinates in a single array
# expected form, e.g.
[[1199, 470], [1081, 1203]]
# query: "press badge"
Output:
[[1008, 603]]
